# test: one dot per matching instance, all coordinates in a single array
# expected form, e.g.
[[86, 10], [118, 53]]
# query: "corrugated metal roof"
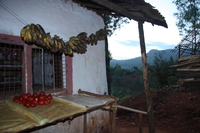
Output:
[[137, 10]]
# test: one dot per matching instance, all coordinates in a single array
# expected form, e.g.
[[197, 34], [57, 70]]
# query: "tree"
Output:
[[112, 23], [160, 73], [188, 15], [118, 70]]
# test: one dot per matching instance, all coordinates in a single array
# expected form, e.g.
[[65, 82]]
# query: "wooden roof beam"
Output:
[[116, 8]]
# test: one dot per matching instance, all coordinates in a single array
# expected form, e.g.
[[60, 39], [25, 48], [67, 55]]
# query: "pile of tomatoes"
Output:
[[29, 100]]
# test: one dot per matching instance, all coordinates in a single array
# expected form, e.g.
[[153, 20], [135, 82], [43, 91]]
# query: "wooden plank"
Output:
[[189, 80], [189, 58], [186, 63], [184, 75], [130, 109], [188, 70], [116, 8]]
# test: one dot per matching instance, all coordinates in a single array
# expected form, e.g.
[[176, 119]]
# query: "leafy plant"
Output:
[[160, 74]]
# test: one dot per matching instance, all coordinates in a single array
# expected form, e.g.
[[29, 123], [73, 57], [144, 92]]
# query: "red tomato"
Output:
[[20, 102], [22, 95], [36, 102], [24, 101], [36, 98], [42, 93], [49, 96], [21, 98], [16, 100], [33, 104], [25, 97], [45, 96], [30, 98], [35, 94], [28, 94], [41, 97], [27, 104], [46, 101], [16, 97], [41, 102]]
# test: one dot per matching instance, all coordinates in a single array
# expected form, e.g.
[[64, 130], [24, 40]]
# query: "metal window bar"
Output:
[[47, 70], [10, 70]]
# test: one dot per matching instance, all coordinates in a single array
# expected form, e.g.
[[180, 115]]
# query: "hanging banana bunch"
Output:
[[35, 34], [99, 35]]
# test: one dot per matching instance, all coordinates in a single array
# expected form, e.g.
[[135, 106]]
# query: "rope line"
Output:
[[13, 14]]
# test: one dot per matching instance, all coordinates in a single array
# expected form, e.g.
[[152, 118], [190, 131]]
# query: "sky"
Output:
[[124, 43]]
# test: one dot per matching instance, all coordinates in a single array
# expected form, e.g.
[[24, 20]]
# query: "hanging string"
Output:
[[13, 14]]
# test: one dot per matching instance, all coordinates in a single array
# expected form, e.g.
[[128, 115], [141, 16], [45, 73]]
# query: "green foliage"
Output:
[[188, 15], [129, 82], [118, 70], [160, 74], [125, 82], [122, 93], [108, 55], [112, 23]]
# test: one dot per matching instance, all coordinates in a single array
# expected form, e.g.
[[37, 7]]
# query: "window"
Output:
[[10, 70], [25, 68], [47, 71]]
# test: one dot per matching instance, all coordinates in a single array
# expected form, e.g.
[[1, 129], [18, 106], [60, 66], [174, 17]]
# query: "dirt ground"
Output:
[[174, 112]]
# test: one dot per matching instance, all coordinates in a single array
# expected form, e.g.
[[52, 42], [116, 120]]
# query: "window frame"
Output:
[[27, 64]]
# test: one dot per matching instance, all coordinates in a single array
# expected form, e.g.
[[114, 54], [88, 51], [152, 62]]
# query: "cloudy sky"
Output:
[[124, 43]]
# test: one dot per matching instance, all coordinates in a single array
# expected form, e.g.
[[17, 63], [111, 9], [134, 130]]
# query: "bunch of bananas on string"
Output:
[[99, 35], [35, 34]]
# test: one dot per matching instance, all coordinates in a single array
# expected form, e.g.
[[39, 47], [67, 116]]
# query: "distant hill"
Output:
[[130, 63]]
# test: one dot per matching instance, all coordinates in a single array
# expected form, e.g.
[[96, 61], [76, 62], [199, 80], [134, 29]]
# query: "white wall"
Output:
[[64, 19]]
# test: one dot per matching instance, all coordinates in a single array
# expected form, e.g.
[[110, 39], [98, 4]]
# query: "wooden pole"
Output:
[[146, 79]]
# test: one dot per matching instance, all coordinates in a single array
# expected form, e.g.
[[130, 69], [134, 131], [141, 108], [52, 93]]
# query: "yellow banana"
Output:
[[23, 32], [28, 37], [74, 39], [41, 30], [72, 46], [82, 36]]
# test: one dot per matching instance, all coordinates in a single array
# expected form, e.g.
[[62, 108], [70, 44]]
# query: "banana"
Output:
[[56, 43], [28, 37], [82, 36], [93, 39], [98, 36], [35, 34], [47, 42], [88, 40], [83, 42], [23, 32], [72, 45], [68, 50], [60, 48], [74, 39], [37, 31], [41, 30], [54, 47]]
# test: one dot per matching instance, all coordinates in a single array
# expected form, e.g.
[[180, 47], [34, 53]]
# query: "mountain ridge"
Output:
[[137, 61]]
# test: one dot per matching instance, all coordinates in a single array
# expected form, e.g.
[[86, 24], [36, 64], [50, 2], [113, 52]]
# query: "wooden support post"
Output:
[[146, 79], [113, 113], [140, 123], [85, 123]]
